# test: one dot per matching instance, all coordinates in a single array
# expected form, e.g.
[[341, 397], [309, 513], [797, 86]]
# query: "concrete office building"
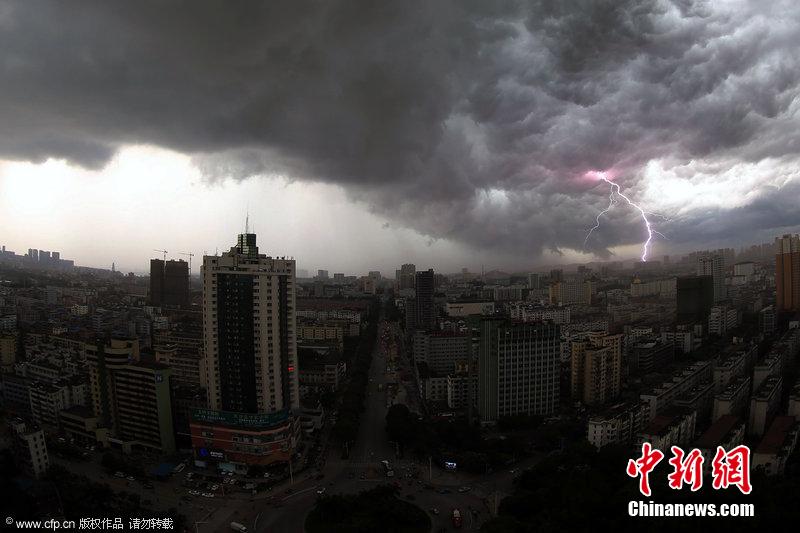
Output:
[[713, 265], [787, 273], [518, 369], [131, 397], [442, 351], [571, 293]]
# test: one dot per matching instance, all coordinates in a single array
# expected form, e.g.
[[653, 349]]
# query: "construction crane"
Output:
[[163, 252], [190, 261]]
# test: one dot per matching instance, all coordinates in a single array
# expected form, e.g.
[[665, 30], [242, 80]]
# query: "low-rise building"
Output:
[[661, 397], [618, 424], [732, 400], [674, 427], [728, 431], [80, 424], [777, 445], [764, 405]]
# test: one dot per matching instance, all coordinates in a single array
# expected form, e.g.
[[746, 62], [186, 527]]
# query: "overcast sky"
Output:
[[363, 134]]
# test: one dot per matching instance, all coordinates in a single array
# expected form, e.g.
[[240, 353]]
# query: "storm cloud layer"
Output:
[[472, 121]]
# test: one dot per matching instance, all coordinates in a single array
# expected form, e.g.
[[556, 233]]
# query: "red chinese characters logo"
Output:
[[642, 466], [732, 468], [687, 468], [727, 468]]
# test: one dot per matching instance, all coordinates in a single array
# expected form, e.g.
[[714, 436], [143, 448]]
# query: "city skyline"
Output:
[[405, 266], [467, 142]]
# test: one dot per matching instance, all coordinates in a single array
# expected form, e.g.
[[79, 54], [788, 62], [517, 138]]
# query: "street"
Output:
[[285, 507]]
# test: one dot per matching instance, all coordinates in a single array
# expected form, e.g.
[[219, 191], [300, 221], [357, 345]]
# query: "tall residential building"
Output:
[[405, 277], [518, 369], [787, 273], [169, 282], [131, 397], [424, 305], [695, 297], [596, 365], [249, 327], [30, 448], [249, 318], [714, 266]]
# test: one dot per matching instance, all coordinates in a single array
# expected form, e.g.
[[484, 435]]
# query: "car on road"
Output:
[[194, 492], [434, 510], [464, 489], [131, 478], [214, 487], [208, 495], [119, 474], [363, 476], [321, 491]]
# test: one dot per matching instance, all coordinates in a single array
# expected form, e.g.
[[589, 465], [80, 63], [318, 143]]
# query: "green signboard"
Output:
[[241, 420]]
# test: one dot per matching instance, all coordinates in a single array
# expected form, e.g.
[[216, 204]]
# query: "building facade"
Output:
[[519, 367]]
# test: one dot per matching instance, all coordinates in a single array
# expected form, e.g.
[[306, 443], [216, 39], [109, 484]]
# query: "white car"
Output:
[[321, 491], [214, 486], [208, 495], [194, 492]]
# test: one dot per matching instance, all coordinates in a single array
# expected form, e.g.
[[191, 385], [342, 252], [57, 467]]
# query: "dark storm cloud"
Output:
[[472, 121]]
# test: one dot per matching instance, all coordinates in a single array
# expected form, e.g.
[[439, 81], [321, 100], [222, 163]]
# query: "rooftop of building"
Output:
[[719, 432], [664, 422], [795, 393], [80, 411], [777, 435], [733, 387], [768, 388]]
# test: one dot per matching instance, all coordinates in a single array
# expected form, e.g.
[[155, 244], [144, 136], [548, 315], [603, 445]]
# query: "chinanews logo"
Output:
[[728, 469], [731, 468]]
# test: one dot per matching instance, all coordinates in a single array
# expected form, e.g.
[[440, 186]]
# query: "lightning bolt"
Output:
[[615, 189]]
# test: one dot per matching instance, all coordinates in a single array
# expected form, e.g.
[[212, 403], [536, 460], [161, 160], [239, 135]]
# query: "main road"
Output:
[[435, 491]]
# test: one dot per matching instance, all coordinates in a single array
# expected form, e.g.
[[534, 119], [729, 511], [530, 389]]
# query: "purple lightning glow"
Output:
[[615, 189]]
